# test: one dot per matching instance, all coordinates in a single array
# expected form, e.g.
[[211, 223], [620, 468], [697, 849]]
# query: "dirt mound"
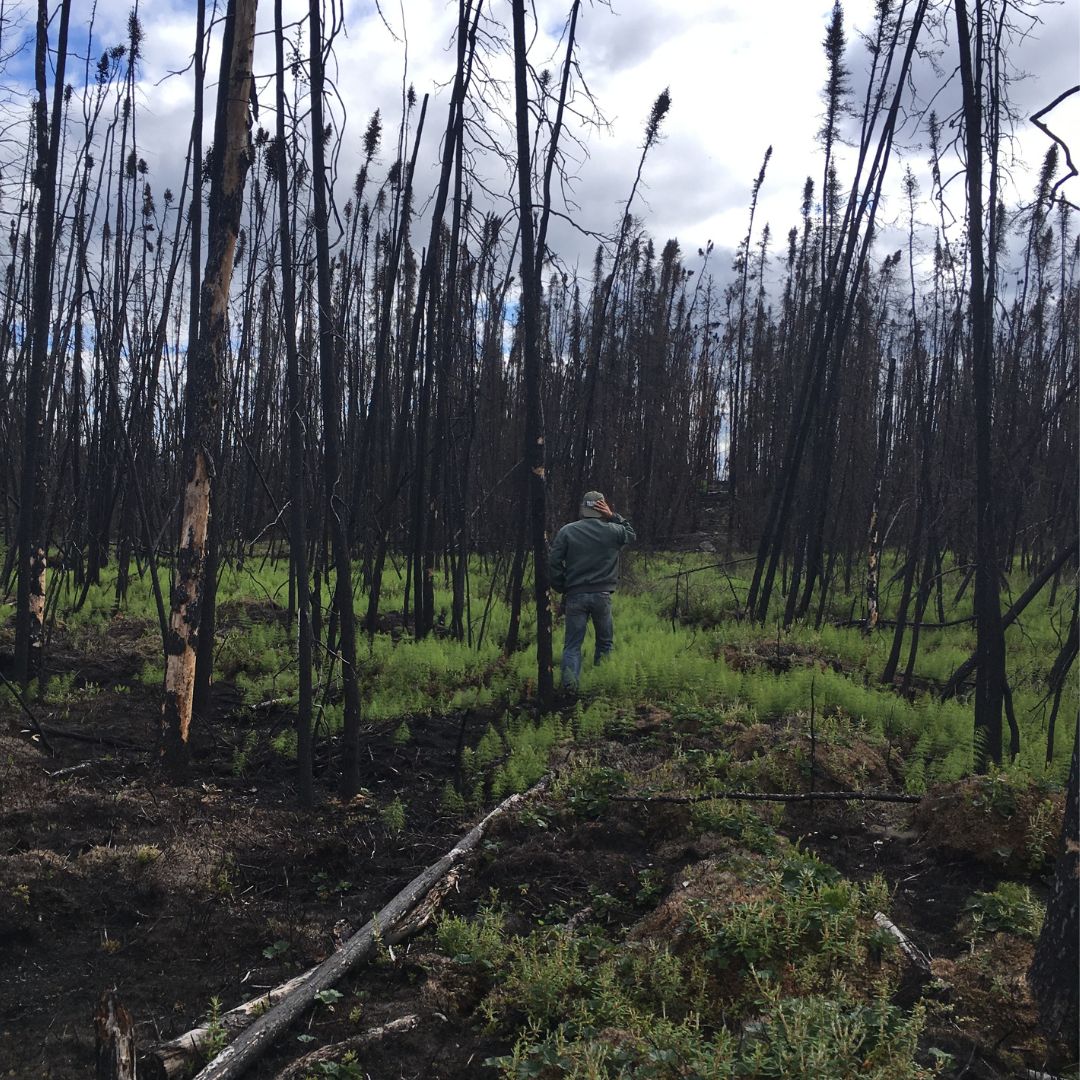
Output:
[[783, 753], [1005, 824], [777, 656]]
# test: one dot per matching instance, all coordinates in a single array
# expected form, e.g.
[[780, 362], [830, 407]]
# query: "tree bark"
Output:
[[535, 453], [990, 639], [297, 491], [232, 156], [330, 384], [114, 1038], [31, 541]]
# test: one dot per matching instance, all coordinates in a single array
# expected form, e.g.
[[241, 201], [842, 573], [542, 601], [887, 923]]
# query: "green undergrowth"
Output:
[[700, 657], [738, 953], [752, 965]]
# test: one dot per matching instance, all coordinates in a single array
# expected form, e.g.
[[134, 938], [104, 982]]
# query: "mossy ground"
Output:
[[593, 936]]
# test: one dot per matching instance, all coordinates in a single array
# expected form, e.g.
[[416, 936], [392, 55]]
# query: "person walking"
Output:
[[584, 565]]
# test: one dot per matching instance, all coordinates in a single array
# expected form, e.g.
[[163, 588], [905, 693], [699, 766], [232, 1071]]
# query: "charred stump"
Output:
[[114, 1039]]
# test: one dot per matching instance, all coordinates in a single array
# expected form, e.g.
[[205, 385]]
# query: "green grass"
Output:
[[681, 664], [789, 978]]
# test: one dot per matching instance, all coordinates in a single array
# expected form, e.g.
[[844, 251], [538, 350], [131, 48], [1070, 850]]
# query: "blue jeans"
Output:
[[579, 606]]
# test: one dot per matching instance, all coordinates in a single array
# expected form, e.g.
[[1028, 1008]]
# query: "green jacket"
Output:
[[585, 555]]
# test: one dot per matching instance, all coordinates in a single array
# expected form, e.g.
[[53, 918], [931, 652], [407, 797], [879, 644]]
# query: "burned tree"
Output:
[[32, 541], [295, 404], [990, 685], [535, 454], [336, 508], [232, 155]]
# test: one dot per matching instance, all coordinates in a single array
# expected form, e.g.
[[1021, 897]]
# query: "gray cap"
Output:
[[588, 502]]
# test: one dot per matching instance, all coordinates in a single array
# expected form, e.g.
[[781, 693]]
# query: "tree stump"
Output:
[[114, 1033]]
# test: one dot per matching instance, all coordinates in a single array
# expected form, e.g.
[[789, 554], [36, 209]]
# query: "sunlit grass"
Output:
[[661, 656]]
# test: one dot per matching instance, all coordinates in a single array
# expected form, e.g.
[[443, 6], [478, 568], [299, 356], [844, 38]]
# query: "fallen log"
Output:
[[90, 737], [176, 1058], [907, 946], [256, 1024], [382, 929], [305, 1066], [71, 770], [39, 739]]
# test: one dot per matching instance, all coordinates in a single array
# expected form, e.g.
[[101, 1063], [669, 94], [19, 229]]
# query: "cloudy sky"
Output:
[[743, 75]]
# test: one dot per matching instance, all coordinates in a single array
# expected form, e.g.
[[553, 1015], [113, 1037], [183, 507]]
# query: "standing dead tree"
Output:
[[330, 383], [990, 685], [232, 155], [297, 491], [32, 542], [844, 272]]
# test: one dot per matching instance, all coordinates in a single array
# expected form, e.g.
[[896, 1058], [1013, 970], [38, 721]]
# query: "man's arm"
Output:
[[628, 534]]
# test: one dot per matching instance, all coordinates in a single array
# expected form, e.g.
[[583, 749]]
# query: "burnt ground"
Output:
[[175, 896]]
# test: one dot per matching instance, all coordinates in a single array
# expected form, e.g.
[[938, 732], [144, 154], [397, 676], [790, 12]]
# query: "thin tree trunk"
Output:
[[873, 557], [1058, 680], [336, 507], [32, 544], [535, 454], [990, 648], [300, 586], [1050, 570]]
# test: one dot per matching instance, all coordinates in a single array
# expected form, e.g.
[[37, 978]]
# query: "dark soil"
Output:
[[221, 888], [110, 878]]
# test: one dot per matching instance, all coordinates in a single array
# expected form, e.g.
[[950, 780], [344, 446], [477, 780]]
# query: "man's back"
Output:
[[585, 555]]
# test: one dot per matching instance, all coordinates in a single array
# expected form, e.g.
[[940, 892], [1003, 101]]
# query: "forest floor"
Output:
[[591, 935]]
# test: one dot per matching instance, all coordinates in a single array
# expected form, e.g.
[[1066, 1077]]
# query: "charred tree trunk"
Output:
[[873, 556], [330, 383], [297, 493], [990, 641], [1067, 553], [1057, 680], [535, 457], [204, 653], [380, 397], [844, 263], [232, 156], [31, 541], [114, 1039]]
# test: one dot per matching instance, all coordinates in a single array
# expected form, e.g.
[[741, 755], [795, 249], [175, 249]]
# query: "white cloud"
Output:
[[742, 76]]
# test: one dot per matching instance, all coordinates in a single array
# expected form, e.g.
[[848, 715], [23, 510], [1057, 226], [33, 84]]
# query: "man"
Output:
[[584, 564]]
